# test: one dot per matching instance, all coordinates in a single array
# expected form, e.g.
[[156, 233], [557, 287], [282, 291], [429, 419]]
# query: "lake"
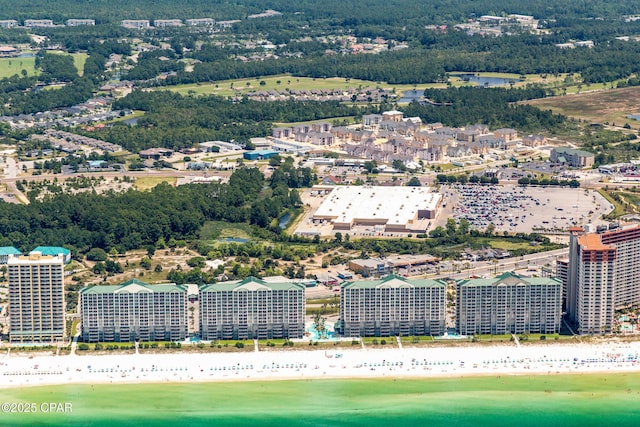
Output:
[[488, 81]]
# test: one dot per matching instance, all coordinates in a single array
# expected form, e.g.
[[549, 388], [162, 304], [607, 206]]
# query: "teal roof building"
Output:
[[252, 308], [509, 304], [392, 306], [55, 251], [132, 311], [6, 252]]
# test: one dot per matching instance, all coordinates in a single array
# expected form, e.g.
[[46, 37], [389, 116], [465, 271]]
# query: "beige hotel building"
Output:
[[509, 304], [133, 311], [252, 308], [392, 306], [36, 298]]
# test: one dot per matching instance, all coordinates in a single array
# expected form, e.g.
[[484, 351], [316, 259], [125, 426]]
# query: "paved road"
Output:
[[488, 268]]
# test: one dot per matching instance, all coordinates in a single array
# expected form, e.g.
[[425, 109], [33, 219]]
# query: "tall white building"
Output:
[[133, 311], [204, 22], [392, 306], [80, 22], [509, 304], [33, 23], [603, 276], [36, 298], [162, 23], [138, 24], [252, 308]]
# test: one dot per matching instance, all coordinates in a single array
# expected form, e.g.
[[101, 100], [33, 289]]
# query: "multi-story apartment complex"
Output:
[[133, 311], [204, 22], [392, 306], [162, 23], [44, 23], [138, 24], [562, 274], [509, 304], [80, 22], [8, 23], [252, 308], [36, 298], [603, 275], [572, 157]]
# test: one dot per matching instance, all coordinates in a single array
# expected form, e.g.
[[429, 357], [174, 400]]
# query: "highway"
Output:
[[456, 270]]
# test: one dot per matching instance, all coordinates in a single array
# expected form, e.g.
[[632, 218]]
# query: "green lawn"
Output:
[[78, 60], [377, 341], [11, 66], [214, 230], [507, 245], [618, 210], [241, 86], [416, 340], [282, 82], [149, 182]]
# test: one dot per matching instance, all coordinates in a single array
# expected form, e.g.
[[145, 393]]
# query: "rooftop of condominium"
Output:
[[393, 281], [133, 286]]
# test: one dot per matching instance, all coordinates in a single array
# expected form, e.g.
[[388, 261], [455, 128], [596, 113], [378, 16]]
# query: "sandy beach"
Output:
[[532, 359]]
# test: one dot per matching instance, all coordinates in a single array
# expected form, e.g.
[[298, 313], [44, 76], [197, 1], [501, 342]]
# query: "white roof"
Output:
[[396, 205]]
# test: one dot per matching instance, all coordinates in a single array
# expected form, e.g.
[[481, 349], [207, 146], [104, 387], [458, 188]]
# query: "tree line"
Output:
[[347, 13], [136, 219], [175, 121], [494, 107]]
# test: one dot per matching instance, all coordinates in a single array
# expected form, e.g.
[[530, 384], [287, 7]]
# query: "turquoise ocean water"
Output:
[[558, 400]]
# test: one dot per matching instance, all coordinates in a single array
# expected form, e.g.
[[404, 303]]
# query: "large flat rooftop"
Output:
[[392, 206]]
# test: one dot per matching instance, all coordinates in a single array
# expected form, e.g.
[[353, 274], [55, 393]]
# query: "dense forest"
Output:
[[427, 60], [350, 12], [494, 107], [134, 219], [175, 121]]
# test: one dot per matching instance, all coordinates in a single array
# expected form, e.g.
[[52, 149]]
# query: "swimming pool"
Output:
[[315, 335]]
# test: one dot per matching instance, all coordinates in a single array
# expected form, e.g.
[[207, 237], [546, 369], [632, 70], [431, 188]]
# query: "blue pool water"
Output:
[[315, 335]]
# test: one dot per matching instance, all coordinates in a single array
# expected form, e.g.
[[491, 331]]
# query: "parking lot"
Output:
[[525, 209]]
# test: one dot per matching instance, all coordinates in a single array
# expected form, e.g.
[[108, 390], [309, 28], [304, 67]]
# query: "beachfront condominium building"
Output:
[[6, 252], [133, 311], [252, 308], [392, 306], [36, 298], [603, 276], [509, 304]]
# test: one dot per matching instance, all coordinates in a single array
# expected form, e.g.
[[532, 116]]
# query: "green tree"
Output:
[[414, 182]]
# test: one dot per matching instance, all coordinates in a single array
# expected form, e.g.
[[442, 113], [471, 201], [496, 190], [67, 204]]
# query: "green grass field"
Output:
[[78, 60], [283, 82], [11, 66], [618, 210], [214, 230], [149, 182], [507, 245], [242, 86]]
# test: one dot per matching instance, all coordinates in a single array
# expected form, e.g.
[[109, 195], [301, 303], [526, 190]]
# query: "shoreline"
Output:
[[335, 364]]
